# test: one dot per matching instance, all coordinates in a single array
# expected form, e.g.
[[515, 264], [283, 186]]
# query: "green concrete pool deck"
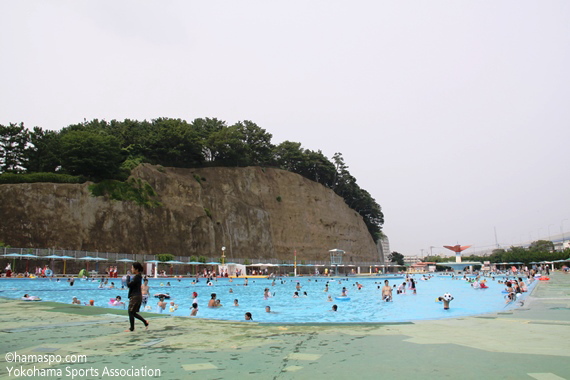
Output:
[[531, 342]]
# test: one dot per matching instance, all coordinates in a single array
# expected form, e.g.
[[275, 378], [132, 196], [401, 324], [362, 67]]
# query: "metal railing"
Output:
[[114, 257]]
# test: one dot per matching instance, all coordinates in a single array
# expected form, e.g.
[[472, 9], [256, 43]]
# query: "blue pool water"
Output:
[[364, 306]]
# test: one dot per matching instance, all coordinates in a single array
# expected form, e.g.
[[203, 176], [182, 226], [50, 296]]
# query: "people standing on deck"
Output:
[[135, 296]]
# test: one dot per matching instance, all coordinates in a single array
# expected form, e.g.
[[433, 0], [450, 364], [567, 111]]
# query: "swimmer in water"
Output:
[[329, 299], [144, 291], [386, 292], [194, 309], [212, 301], [248, 316], [236, 303]]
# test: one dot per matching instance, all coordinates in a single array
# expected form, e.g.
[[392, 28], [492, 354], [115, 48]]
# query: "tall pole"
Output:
[[295, 261], [562, 232], [549, 236]]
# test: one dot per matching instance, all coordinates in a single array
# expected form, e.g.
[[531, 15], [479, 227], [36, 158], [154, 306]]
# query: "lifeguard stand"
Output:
[[336, 258]]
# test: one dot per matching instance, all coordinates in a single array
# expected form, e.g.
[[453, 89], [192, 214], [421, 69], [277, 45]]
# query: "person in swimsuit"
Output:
[[135, 296], [194, 309], [144, 291], [212, 301], [386, 292]]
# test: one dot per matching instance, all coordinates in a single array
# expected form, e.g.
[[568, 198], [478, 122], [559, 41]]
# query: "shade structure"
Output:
[[52, 257], [14, 255], [90, 258], [213, 263], [195, 263], [65, 258], [125, 261], [173, 262], [29, 256]]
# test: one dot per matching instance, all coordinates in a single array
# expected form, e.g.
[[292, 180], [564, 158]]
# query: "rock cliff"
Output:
[[255, 212]]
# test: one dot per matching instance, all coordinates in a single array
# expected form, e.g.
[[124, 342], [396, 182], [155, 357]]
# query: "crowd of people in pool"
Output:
[[513, 289]]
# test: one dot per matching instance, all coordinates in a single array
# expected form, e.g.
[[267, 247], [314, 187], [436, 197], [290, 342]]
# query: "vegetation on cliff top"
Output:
[[101, 150]]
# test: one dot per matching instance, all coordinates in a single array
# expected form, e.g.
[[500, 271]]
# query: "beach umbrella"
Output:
[[172, 263], [13, 256], [98, 259], [65, 258], [29, 256], [52, 258], [87, 259], [194, 263], [125, 261]]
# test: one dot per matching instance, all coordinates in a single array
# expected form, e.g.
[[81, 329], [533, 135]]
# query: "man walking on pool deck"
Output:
[[135, 295]]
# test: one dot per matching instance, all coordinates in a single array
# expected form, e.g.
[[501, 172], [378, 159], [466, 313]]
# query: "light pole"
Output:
[[562, 231], [223, 255], [549, 236]]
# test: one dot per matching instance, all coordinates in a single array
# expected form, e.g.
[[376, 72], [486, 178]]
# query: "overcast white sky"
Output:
[[454, 115]]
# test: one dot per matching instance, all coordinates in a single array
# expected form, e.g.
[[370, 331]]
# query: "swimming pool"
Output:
[[364, 306]]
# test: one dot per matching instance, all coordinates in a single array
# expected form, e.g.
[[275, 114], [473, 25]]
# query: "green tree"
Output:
[[205, 127], [43, 155], [256, 143], [289, 156], [96, 156], [396, 257], [163, 257], [542, 246], [173, 142], [433, 259], [13, 144]]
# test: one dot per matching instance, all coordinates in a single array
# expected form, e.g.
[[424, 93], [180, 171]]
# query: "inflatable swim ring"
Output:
[[32, 298], [342, 298], [163, 295], [544, 278]]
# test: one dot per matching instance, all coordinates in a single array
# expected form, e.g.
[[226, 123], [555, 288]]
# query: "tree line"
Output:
[[98, 150], [540, 250]]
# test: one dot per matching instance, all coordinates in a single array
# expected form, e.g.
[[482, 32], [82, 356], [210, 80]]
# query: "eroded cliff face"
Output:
[[254, 212]]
